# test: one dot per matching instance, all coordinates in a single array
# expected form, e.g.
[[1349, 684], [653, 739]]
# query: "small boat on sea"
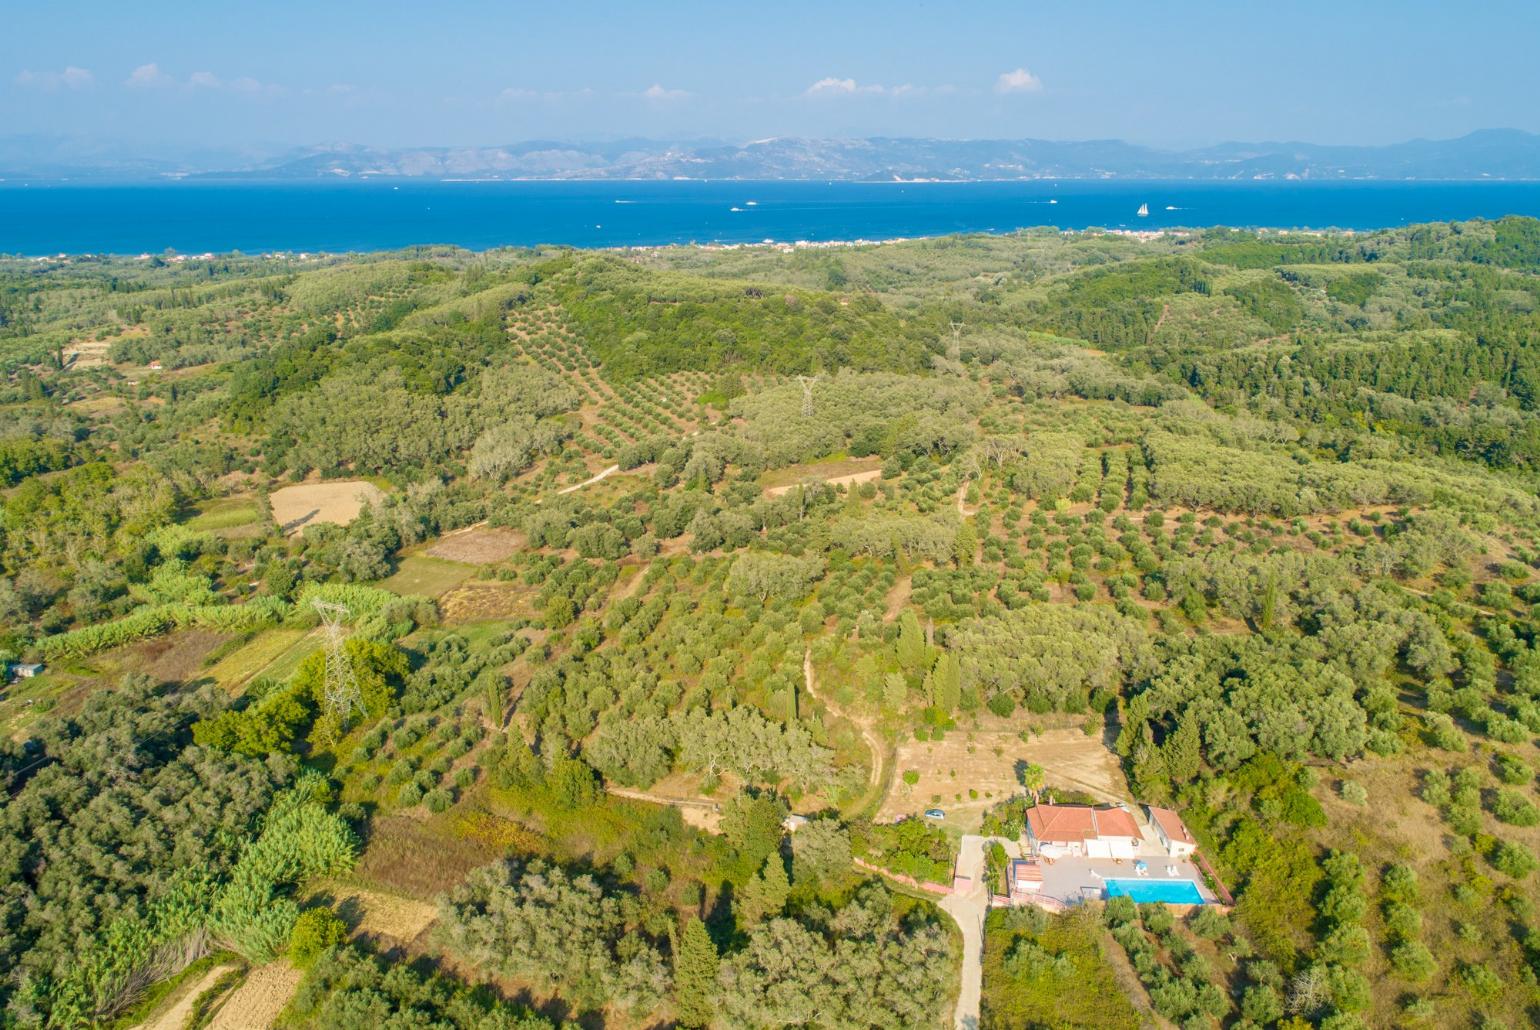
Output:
[[1144, 210]]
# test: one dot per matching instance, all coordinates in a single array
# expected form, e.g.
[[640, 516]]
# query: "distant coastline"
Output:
[[329, 217], [1507, 155]]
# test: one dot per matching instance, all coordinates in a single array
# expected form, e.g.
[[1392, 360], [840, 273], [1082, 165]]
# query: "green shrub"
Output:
[[316, 930]]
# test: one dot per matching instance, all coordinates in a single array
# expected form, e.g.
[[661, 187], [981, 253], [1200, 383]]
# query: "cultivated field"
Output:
[[338, 502], [985, 761], [240, 666], [481, 601], [479, 545], [255, 1004]]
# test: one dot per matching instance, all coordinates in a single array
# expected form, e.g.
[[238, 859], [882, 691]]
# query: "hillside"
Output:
[[1485, 154], [627, 558]]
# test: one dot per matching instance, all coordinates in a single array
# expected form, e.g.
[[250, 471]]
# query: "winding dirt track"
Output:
[[868, 731], [590, 481]]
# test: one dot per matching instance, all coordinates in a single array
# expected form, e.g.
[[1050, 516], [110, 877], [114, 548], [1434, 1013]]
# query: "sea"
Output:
[[194, 217]]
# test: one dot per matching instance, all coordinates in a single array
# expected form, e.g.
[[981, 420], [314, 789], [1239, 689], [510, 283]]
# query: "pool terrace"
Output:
[[1073, 880]]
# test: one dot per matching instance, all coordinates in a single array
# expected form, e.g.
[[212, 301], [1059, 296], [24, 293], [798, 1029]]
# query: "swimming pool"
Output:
[[1172, 892]]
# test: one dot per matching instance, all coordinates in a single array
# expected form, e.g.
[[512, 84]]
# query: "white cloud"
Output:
[[833, 87], [1018, 81], [657, 92], [70, 78], [148, 75]]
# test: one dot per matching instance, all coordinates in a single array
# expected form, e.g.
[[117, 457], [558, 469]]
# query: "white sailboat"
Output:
[[1144, 210]]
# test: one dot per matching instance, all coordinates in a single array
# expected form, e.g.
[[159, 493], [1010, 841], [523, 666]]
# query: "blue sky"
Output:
[[388, 73]]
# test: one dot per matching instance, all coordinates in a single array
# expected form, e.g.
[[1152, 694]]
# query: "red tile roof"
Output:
[[1023, 871], [1114, 822], [1079, 822], [1171, 825], [1061, 822]]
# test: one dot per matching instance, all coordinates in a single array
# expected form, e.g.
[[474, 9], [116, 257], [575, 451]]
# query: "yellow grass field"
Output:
[[985, 761], [338, 502]]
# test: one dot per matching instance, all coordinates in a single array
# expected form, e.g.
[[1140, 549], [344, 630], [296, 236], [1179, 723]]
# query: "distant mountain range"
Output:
[[1487, 154]]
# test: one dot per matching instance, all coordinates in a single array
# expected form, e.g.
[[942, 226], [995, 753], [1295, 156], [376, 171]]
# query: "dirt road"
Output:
[[869, 733], [591, 480], [176, 1016], [853, 479], [702, 814]]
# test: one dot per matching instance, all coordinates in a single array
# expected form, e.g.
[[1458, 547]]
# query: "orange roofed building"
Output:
[[1082, 831], [1172, 833]]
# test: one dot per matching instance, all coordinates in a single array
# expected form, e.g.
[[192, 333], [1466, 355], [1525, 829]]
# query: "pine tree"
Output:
[[695, 975], [766, 894]]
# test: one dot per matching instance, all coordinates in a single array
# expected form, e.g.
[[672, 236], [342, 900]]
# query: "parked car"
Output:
[[934, 813]]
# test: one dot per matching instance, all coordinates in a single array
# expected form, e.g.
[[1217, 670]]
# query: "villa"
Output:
[[1055, 831]]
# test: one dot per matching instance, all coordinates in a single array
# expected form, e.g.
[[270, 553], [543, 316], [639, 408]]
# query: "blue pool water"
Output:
[[49, 218], [1172, 892]]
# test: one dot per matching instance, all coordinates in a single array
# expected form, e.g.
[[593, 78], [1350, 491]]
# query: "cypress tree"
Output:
[[911, 642], [695, 975]]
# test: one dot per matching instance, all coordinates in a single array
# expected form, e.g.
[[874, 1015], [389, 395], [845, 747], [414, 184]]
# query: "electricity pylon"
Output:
[[341, 692], [955, 350], [807, 394]]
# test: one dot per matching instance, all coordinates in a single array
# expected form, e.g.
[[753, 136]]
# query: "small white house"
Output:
[[1172, 833], [22, 671]]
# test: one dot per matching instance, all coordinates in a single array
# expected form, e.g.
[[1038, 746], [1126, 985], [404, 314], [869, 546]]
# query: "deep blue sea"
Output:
[[193, 217]]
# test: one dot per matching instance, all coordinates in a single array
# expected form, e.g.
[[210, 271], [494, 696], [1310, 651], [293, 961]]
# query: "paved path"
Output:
[[968, 911]]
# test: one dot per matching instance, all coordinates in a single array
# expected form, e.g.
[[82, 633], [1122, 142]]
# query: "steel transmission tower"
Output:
[[807, 394], [955, 350], [341, 692]]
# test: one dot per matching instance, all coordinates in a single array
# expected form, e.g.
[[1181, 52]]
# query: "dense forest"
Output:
[[554, 638]]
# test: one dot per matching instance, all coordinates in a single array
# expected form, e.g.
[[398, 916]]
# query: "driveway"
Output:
[[968, 909]]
